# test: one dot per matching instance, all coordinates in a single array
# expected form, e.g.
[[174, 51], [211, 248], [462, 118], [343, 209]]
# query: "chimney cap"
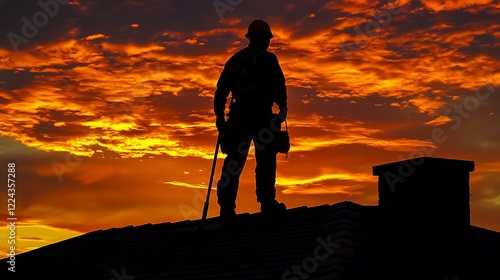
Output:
[[434, 162]]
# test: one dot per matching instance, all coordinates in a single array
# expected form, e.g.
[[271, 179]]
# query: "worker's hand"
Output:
[[220, 123], [282, 113]]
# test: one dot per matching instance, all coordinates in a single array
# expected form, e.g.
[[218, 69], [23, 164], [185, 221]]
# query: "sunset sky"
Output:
[[106, 106]]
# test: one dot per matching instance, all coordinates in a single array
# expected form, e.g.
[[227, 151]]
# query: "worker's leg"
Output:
[[227, 186], [265, 172], [265, 178]]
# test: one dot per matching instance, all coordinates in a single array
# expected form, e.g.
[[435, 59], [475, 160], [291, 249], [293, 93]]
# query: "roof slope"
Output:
[[339, 241], [257, 250]]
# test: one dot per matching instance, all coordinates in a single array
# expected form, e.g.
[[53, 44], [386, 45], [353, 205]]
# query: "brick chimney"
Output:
[[424, 210]]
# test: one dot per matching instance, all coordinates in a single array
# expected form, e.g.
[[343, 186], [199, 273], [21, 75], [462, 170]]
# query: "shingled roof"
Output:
[[344, 240]]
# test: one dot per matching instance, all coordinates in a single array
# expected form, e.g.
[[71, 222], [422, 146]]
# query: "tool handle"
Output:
[[205, 207]]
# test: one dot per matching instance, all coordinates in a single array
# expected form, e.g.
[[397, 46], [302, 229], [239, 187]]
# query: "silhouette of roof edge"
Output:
[[266, 251], [186, 224]]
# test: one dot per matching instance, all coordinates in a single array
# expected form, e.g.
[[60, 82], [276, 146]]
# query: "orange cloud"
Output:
[[439, 121], [437, 5], [96, 36]]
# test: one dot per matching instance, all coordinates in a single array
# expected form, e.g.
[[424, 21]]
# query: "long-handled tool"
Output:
[[205, 208]]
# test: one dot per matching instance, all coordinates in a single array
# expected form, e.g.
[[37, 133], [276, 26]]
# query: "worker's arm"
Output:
[[279, 88], [221, 94]]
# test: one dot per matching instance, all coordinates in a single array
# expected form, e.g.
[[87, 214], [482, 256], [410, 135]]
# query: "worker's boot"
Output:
[[228, 217], [273, 208]]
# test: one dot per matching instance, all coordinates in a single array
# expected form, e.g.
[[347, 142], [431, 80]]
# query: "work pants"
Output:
[[236, 142]]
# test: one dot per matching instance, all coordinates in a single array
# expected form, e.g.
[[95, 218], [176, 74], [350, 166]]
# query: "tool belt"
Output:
[[231, 139]]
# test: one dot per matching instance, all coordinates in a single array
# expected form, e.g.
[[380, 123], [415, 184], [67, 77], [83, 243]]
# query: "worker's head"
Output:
[[259, 33]]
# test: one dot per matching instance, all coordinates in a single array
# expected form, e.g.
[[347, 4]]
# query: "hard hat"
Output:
[[259, 27]]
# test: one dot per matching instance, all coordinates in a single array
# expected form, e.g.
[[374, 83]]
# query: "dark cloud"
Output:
[[31, 21], [483, 44], [15, 79]]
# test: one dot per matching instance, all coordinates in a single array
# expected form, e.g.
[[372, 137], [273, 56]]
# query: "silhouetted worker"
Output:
[[255, 79]]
